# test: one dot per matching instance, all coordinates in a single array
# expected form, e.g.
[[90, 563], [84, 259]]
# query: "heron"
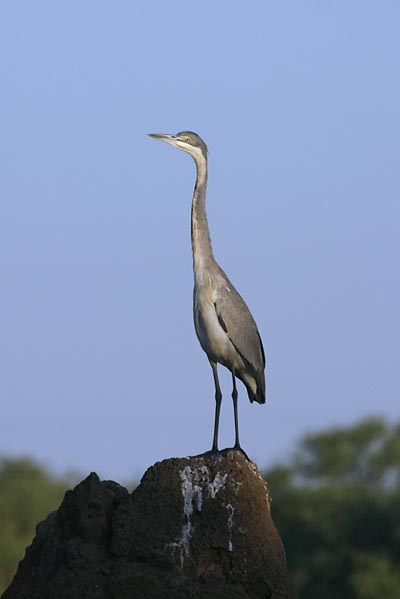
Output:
[[224, 325]]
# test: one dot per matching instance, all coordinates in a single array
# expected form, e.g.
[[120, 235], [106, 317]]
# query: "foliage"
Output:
[[27, 494], [337, 508]]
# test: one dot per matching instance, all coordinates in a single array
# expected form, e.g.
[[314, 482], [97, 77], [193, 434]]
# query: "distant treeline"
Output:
[[336, 504], [337, 508]]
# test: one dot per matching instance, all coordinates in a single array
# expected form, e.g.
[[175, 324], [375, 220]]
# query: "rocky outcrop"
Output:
[[196, 528]]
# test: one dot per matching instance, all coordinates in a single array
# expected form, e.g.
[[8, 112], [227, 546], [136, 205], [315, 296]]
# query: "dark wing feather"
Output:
[[237, 321]]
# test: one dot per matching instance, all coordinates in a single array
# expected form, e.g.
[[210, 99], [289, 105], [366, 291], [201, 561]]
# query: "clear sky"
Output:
[[298, 102]]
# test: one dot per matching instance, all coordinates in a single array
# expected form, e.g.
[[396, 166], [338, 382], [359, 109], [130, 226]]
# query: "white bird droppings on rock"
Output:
[[192, 497], [194, 481], [231, 511], [217, 484]]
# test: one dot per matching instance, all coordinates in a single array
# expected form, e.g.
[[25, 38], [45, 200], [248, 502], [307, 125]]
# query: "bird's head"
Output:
[[188, 141]]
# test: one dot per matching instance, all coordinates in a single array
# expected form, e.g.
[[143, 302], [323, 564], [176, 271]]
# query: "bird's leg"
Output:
[[235, 411], [218, 400]]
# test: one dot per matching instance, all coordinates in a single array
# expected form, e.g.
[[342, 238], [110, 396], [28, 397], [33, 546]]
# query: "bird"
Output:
[[224, 325]]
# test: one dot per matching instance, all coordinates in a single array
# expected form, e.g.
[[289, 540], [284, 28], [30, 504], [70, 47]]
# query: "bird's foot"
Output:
[[237, 447]]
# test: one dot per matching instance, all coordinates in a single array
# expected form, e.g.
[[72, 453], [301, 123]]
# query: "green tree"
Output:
[[337, 507], [27, 494]]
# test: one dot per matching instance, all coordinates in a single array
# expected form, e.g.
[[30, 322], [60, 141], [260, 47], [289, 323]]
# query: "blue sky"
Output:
[[298, 102]]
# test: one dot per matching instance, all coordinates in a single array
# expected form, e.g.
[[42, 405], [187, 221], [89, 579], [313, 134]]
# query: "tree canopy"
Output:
[[27, 494], [336, 505]]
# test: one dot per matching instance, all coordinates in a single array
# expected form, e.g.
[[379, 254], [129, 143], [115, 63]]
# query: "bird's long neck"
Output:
[[203, 257]]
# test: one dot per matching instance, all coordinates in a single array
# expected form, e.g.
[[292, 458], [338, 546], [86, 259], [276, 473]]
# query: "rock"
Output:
[[197, 528]]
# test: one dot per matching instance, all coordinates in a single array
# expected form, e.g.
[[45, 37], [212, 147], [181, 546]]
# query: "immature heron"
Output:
[[224, 325]]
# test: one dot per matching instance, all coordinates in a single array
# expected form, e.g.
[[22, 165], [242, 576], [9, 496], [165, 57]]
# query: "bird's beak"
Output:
[[163, 136]]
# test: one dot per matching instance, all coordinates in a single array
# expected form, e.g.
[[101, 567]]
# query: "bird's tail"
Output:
[[256, 388]]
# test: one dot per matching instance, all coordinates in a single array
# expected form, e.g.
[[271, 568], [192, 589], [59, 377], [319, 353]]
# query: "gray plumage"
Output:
[[224, 325]]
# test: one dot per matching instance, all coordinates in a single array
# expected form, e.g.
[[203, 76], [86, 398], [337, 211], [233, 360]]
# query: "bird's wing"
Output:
[[235, 318]]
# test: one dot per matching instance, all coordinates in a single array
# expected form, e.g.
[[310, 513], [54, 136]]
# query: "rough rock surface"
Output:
[[196, 528]]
